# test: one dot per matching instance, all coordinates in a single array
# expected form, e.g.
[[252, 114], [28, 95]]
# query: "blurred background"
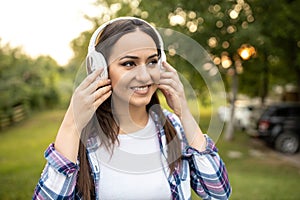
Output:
[[255, 45]]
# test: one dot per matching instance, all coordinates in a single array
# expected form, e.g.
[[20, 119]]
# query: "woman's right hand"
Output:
[[87, 97]]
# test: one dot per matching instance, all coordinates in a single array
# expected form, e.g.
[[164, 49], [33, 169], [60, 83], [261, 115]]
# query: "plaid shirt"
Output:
[[204, 171]]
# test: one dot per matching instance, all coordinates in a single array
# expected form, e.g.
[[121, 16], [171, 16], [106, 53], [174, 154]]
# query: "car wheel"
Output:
[[287, 143]]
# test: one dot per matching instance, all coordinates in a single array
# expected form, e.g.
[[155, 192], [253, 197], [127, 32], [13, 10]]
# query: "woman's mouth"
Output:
[[142, 90]]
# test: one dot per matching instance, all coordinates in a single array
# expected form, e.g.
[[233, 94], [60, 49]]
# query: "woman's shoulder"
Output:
[[174, 119], [168, 115]]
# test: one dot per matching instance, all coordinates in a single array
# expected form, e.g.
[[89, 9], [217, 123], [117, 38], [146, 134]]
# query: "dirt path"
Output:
[[261, 149]]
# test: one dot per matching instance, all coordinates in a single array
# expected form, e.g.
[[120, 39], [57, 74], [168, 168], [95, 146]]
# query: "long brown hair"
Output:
[[109, 127]]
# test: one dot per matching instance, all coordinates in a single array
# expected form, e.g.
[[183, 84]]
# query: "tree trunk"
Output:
[[229, 133], [265, 79], [298, 82]]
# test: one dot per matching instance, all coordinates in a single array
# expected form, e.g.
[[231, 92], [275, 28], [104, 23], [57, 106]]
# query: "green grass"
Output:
[[266, 177], [21, 153], [22, 147]]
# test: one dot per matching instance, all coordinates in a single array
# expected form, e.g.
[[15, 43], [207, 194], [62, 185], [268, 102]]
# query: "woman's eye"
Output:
[[153, 63], [128, 64]]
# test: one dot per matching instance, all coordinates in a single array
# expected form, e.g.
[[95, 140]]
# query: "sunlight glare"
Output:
[[44, 27]]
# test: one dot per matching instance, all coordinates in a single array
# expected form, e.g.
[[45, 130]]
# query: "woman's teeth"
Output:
[[140, 88]]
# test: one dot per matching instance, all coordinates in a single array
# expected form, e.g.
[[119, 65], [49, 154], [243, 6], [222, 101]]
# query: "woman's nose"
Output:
[[142, 74]]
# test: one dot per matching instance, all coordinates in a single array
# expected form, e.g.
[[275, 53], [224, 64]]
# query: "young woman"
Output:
[[116, 142]]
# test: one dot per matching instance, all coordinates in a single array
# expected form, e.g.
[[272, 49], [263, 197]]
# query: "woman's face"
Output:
[[133, 69]]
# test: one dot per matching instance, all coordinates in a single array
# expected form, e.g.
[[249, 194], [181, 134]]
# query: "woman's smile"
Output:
[[141, 90]]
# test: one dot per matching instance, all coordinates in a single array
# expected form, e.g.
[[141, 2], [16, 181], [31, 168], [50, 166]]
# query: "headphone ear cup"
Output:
[[163, 57], [94, 61]]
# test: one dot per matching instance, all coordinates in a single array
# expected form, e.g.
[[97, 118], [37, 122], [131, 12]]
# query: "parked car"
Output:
[[279, 125], [243, 115]]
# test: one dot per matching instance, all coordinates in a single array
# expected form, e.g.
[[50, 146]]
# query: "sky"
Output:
[[44, 27]]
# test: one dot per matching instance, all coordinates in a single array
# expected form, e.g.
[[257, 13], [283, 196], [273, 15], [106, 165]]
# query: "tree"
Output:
[[24, 81], [280, 22]]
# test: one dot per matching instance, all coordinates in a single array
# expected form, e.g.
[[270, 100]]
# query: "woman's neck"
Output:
[[130, 118]]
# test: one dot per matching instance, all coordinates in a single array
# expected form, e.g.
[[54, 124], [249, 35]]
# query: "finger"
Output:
[[168, 67], [96, 85], [100, 100], [169, 82], [169, 72], [103, 82], [169, 75], [100, 92], [171, 97], [170, 91], [166, 90], [90, 79]]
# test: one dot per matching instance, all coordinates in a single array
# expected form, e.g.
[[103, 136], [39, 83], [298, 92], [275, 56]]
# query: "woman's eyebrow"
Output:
[[152, 56], [136, 57], [131, 57]]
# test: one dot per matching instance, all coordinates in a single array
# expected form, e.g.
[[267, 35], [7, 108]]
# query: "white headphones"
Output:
[[95, 59]]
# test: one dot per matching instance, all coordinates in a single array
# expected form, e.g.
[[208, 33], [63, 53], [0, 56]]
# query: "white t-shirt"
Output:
[[135, 169]]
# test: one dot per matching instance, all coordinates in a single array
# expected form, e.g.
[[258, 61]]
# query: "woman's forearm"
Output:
[[193, 133], [68, 136]]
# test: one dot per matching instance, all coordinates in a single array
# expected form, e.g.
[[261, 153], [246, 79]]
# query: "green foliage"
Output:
[[79, 46], [279, 23], [25, 81]]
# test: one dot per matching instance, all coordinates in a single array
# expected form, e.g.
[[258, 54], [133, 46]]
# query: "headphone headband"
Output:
[[101, 28]]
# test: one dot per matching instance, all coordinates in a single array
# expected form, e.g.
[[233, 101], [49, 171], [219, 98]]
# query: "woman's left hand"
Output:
[[172, 88]]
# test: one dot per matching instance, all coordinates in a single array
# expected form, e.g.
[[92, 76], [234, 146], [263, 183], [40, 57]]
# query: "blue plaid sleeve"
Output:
[[209, 177], [58, 179], [208, 174]]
